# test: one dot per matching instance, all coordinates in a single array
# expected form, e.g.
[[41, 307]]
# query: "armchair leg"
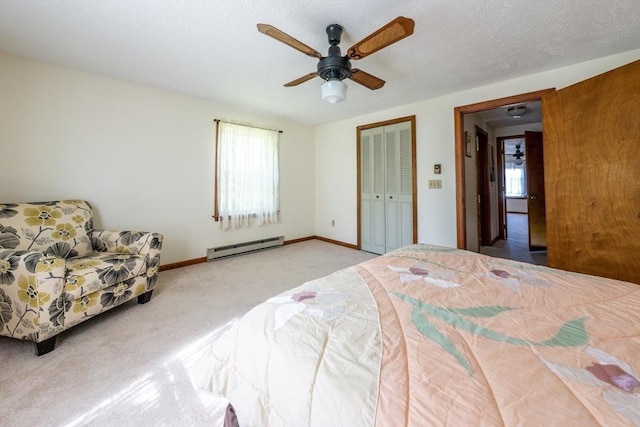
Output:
[[45, 346], [145, 298]]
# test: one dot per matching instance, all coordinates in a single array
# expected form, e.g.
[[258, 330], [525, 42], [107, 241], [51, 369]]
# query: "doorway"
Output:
[[462, 197], [515, 220]]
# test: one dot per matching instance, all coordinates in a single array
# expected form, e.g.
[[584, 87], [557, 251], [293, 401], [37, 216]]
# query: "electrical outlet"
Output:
[[333, 222], [435, 183]]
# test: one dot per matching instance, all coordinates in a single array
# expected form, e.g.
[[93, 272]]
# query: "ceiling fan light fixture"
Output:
[[333, 91], [516, 112], [518, 156]]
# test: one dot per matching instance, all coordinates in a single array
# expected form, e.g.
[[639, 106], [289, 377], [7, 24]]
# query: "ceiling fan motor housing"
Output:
[[334, 66]]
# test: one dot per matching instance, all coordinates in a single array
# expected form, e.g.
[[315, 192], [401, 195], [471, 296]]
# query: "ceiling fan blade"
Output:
[[366, 79], [394, 31], [302, 79], [272, 31]]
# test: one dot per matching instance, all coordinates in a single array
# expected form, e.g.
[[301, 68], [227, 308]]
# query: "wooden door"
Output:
[[535, 191], [592, 153], [502, 206], [484, 188]]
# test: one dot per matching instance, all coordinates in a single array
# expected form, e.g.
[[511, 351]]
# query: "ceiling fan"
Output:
[[334, 67], [518, 155]]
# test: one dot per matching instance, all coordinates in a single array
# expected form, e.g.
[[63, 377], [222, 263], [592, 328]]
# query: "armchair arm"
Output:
[[131, 242], [32, 300]]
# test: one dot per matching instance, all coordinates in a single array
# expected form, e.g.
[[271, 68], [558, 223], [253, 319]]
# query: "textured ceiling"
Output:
[[498, 117], [212, 49]]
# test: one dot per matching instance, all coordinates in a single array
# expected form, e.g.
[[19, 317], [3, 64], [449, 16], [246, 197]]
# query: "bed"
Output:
[[428, 335]]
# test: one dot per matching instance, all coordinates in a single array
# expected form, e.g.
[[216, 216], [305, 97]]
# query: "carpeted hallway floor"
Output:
[[516, 246], [133, 365]]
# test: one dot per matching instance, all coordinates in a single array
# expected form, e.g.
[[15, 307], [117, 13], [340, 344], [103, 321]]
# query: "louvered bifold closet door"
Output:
[[398, 186], [372, 194]]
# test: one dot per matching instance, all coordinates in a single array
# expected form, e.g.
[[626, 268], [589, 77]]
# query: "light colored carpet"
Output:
[[132, 366]]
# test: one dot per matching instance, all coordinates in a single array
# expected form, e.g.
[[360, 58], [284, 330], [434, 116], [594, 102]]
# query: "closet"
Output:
[[387, 208]]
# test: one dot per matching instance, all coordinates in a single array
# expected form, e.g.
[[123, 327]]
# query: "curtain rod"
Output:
[[243, 124]]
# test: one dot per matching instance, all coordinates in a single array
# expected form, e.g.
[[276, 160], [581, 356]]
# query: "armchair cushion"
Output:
[[58, 228], [94, 273]]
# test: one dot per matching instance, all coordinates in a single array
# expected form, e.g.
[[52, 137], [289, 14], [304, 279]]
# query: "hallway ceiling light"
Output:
[[516, 112]]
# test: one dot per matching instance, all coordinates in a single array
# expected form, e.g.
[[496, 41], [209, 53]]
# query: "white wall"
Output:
[[516, 205], [518, 130], [141, 156], [336, 150], [472, 120]]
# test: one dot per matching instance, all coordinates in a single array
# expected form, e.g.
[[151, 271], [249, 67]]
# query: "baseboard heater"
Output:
[[241, 248]]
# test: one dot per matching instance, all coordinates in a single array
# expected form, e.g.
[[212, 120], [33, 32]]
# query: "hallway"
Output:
[[516, 246]]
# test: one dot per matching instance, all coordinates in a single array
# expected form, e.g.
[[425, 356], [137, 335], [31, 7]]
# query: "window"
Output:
[[247, 176], [515, 182], [515, 175]]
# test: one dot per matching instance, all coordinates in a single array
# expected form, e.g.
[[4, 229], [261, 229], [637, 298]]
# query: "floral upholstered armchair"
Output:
[[57, 271]]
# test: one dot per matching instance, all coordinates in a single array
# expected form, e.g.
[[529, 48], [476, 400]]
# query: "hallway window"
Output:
[[515, 179]]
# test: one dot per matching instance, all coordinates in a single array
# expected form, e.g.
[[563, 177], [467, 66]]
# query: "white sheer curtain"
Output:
[[515, 179], [248, 178]]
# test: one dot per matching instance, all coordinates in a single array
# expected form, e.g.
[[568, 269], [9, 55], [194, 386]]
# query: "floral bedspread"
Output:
[[309, 356], [427, 335], [487, 341]]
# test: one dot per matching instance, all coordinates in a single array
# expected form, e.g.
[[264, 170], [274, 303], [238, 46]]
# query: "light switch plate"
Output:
[[435, 184]]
